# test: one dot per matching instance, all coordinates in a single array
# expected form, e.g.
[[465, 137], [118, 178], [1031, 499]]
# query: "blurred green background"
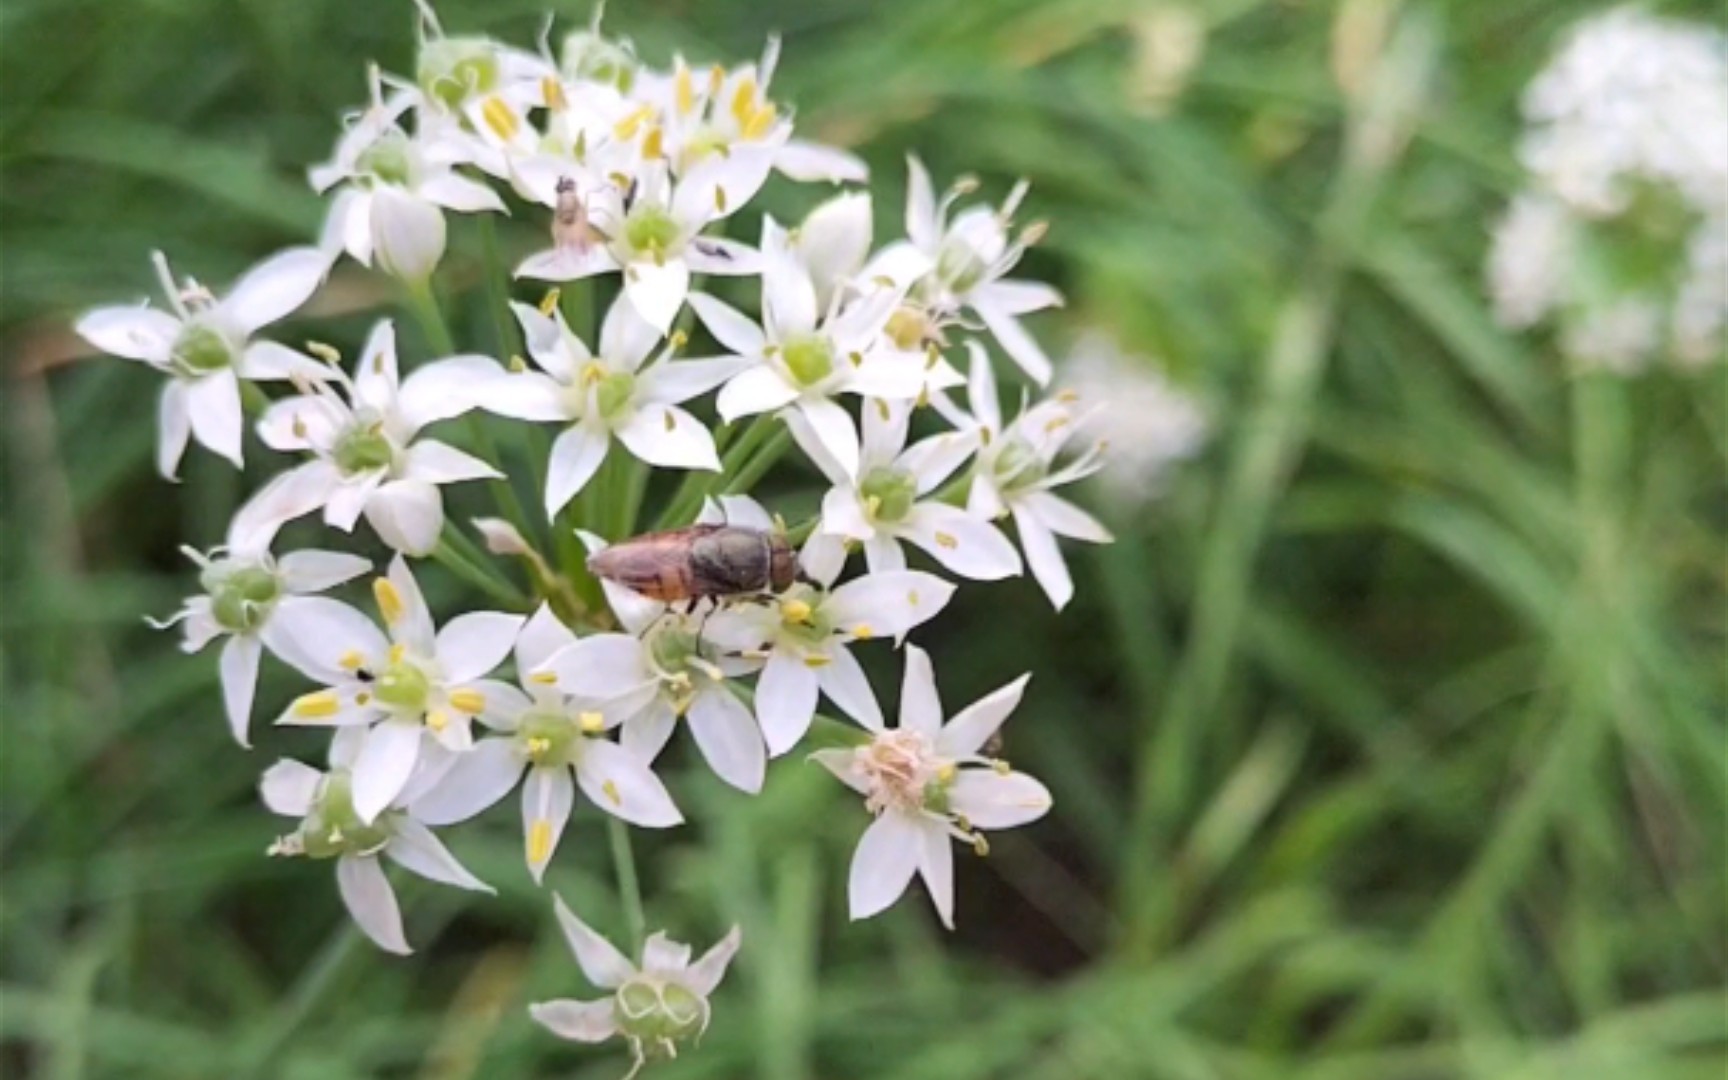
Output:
[[1388, 743]]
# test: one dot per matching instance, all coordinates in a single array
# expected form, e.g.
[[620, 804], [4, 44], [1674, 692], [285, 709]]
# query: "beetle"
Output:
[[702, 562]]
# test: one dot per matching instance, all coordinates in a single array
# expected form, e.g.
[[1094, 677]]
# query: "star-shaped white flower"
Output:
[[618, 393], [204, 345], [551, 736], [886, 499], [367, 454], [331, 828], [927, 781], [655, 1005], [419, 685]]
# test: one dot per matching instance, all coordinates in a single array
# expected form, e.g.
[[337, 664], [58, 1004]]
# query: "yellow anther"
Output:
[[362, 698], [719, 198], [863, 632], [684, 90], [796, 611], [397, 652], [669, 421], [593, 371], [539, 841], [351, 660], [298, 426], [1002, 768], [316, 706], [984, 436], [538, 745], [549, 302], [946, 773], [592, 722], [437, 719], [1068, 397], [947, 540], [518, 365], [628, 127], [744, 101], [501, 118], [872, 503], [760, 122], [654, 144], [980, 846], [544, 678], [912, 597], [1056, 425], [680, 681], [816, 660], [611, 790], [716, 76], [882, 410], [1034, 232], [390, 603], [326, 353], [553, 91], [470, 701], [857, 358]]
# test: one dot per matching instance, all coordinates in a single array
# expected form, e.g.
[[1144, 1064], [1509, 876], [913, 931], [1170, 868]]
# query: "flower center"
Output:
[[958, 265], [613, 393], [671, 648], [548, 738], [240, 596], [908, 327], [452, 69], [802, 618], [592, 57], [361, 449], [902, 772], [888, 494], [652, 231], [1017, 465], [809, 359], [656, 1012], [387, 159], [402, 685], [201, 349], [333, 828]]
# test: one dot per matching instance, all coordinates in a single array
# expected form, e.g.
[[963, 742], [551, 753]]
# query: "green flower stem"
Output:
[[497, 290], [488, 581], [629, 888], [423, 305], [697, 485], [741, 481]]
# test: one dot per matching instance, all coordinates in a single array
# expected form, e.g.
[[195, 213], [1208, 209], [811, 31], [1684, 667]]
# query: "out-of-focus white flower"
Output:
[[612, 394], [367, 457], [253, 599], [1701, 305], [419, 685], [654, 1005], [1527, 262], [927, 781], [886, 499], [203, 344], [332, 828], [550, 736], [1124, 403]]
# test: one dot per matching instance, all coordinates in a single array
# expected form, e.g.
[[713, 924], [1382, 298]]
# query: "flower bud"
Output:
[[454, 70], [407, 234]]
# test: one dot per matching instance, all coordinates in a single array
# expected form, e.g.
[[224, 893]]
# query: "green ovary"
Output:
[[240, 598], [589, 56], [614, 392], [333, 827], [548, 738], [959, 266], [808, 359], [202, 349], [656, 1012], [672, 649], [363, 449], [1017, 466], [387, 159], [889, 493], [402, 686], [452, 69], [651, 231]]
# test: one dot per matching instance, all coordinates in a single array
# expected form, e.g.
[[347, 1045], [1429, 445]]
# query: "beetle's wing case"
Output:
[[657, 565]]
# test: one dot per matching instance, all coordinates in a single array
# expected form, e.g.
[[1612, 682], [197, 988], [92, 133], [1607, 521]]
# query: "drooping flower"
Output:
[[617, 393], [204, 345], [887, 499], [367, 454], [417, 687], [550, 736], [927, 781], [655, 1004], [332, 828]]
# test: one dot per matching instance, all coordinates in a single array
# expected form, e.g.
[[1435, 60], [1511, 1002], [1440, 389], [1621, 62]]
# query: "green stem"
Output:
[[497, 290], [629, 888], [697, 485], [494, 586], [423, 305], [751, 471]]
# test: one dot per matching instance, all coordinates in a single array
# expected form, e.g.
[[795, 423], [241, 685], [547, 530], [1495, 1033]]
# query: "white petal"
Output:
[[883, 865], [407, 234], [921, 223], [1064, 518], [408, 515], [173, 428], [505, 704], [814, 449], [309, 422], [264, 361], [785, 701], [920, 705], [844, 683], [414, 627], [902, 263], [576, 456], [934, 460], [843, 765], [883, 431], [288, 787], [969, 547], [882, 554], [525, 395], [598, 958], [476, 781], [239, 682], [746, 513], [366, 892], [754, 390], [314, 632], [1018, 297], [347, 499], [646, 733], [601, 667], [547, 799], [843, 513], [833, 427], [580, 1021], [314, 571], [728, 738], [705, 974], [472, 645], [274, 288], [213, 405], [540, 637], [887, 604], [286, 496], [720, 257], [788, 294], [669, 437], [657, 291], [381, 771], [375, 375], [566, 263], [415, 848], [991, 800], [823, 557], [135, 333], [626, 338], [1045, 558], [1015, 341], [809, 163], [620, 783], [936, 865], [972, 726], [456, 192], [662, 955], [730, 327], [981, 391], [444, 389], [678, 381]]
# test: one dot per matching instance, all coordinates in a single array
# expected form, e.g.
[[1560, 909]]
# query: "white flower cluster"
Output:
[[636, 167], [1621, 239]]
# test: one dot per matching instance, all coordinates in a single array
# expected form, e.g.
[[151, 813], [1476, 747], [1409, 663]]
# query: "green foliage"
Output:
[[1388, 743]]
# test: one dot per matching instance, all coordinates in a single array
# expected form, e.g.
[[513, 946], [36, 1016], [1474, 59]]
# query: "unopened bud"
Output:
[[501, 537]]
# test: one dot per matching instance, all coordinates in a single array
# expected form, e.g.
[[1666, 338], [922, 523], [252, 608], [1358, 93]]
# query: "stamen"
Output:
[[544, 678], [326, 353], [946, 540], [468, 700], [539, 841], [501, 118], [744, 101], [390, 603], [553, 91], [437, 719], [863, 632], [351, 660], [397, 652], [612, 793], [320, 705], [653, 144], [818, 660], [549, 302], [684, 90], [592, 722]]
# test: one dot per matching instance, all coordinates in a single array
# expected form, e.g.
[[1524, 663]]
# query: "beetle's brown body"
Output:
[[701, 562]]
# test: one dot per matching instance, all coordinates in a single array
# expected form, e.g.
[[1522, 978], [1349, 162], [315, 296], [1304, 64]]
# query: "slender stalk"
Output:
[[629, 888], [423, 305], [752, 470], [697, 485], [494, 586], [497, 293]]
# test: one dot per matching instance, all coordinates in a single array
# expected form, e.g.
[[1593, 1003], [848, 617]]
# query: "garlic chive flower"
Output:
[[655, 1005], [331, 828], [551, 737], [204, 345], [928, 781], [410, 688]]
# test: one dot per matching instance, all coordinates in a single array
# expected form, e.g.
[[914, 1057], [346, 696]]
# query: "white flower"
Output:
[[886, 500], [653, 235], [550, 736], [252, 599], [612, 394], [804, 354], [971, 257], [332, 828], [417, 686], [927, 781], [1015, 473], [655, 1004], [1146, 421], [204, 345], [367, 457], [1528, 260], [394, 189]]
